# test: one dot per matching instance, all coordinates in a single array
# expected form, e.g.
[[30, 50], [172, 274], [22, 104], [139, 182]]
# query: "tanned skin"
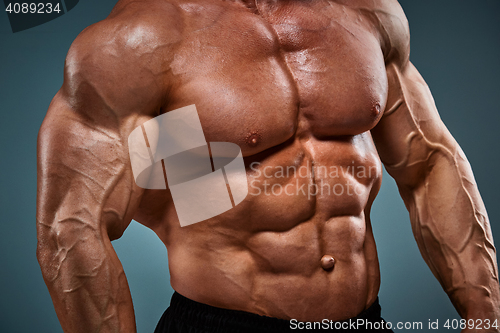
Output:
[[294, 83]]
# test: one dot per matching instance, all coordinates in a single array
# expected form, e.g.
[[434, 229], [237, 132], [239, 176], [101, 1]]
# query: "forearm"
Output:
[[453, 233], [86, 282]]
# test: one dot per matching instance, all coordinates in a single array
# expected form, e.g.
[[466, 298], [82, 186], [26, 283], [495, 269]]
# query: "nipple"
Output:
[[327, 262], [252, 5], [253, 139], [376, 110]]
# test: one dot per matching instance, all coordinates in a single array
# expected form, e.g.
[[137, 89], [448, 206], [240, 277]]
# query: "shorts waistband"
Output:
[[204, 315]]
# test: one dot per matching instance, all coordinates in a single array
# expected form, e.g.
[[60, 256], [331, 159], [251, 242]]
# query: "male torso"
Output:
[[298, 85], [301, 87]]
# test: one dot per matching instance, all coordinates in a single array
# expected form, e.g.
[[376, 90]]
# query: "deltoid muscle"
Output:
[[205, 179]]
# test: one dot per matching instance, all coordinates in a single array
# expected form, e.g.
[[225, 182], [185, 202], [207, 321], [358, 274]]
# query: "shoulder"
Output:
[[133, 28], [391, 25], [124, 56]]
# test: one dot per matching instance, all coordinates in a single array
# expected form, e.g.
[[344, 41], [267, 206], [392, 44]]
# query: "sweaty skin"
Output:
[[316, 93]]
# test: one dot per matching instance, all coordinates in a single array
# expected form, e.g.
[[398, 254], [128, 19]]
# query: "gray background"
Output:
[[456, 47]]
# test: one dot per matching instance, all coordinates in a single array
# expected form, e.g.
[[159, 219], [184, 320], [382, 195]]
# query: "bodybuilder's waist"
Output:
[[279, 267], [342, 291]]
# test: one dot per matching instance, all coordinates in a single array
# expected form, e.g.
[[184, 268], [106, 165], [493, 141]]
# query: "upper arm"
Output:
[[411, 137], [114, 80], [83, 174]]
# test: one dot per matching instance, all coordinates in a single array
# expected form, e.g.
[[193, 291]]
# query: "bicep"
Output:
[[109, 89], [433, 175], [84, 175], [411, 137]]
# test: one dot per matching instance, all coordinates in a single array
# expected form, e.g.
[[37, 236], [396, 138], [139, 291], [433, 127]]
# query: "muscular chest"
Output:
[[258, 79]]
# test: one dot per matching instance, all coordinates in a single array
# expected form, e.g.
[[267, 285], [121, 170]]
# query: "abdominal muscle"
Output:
[[264, 255]]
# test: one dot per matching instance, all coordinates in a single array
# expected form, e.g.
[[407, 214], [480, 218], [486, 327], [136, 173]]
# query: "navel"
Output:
[[327, 262]]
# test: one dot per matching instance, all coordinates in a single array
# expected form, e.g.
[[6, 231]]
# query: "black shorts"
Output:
[[187, 316]]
